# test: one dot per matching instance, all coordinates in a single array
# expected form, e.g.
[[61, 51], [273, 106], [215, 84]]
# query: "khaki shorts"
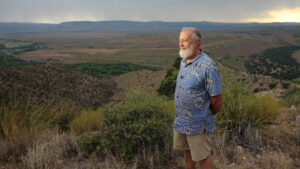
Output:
[[199, 145]]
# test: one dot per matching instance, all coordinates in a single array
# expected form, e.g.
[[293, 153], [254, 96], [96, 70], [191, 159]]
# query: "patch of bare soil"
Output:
[[296, 55], [63, 56], [91, 51], [240, 47], [43, 55], [218, 43]]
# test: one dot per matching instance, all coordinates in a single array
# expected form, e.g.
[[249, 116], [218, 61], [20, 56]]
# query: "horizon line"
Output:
[[222, 22]]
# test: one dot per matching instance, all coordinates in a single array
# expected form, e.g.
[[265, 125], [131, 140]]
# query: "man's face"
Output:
[[185, 39], [186, 44]]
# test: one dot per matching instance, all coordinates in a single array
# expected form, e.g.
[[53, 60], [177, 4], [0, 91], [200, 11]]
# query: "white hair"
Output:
[[196, 35]]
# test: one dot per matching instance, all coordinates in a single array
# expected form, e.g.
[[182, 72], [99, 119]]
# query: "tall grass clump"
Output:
[[243, 111], [20, 118], [293, 97], [20, 123], [142, 123]]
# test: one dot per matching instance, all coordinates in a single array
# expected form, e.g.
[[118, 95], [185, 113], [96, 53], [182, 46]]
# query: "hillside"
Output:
[[276, 62], [50, 83], [143, 80]]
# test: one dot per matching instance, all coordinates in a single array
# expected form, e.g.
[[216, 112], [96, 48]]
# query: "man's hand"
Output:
[[216, 103]]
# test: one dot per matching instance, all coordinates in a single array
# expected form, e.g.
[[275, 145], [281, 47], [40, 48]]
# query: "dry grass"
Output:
[[276, 160], [272, 146], [48, 154], [11, 149], [54, 150]]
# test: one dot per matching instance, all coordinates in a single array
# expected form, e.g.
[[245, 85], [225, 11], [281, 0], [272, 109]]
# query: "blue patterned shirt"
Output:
[[196, 82]]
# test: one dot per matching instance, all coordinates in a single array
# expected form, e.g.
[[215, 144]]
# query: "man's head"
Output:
[[189, 42]]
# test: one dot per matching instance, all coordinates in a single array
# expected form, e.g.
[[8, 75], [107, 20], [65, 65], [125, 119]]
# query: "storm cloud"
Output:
[[56, 11]]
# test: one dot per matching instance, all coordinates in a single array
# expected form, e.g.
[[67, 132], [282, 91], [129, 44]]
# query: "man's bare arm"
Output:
[[216, 103]]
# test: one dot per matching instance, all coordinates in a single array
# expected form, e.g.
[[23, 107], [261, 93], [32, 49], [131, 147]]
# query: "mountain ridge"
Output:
[[126, 26]]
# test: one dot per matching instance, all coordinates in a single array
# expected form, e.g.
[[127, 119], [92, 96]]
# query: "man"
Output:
[[198, 96]]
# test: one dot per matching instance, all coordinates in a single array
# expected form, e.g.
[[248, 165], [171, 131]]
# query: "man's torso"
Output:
[[194, 87]]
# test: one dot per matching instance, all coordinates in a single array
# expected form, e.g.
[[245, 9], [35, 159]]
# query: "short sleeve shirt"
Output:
[[196, 82]]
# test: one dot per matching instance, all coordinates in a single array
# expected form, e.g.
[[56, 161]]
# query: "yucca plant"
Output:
[[293, 96], [243, 110], [17, 117]]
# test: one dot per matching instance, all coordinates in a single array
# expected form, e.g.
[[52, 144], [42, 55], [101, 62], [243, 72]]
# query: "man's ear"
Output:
[[196, 42]]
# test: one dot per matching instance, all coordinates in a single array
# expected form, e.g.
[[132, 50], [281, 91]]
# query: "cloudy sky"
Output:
[[56, 11]]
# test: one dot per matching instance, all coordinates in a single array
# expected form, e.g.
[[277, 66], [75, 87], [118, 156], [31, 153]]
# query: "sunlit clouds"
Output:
[[278, 15], [57, 11]]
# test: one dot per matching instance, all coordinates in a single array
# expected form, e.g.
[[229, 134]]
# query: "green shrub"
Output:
[[168, 85], [141, 122], [88, 120], [90, 144], [242, 109]]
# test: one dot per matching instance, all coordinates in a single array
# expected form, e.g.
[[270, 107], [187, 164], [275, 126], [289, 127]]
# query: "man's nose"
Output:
[[181, 44]]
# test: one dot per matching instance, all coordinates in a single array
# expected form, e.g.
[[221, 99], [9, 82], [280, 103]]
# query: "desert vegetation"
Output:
[[57, 111], [253, 132], [277, 62], [56, 84], [111, 69], [138, 134]]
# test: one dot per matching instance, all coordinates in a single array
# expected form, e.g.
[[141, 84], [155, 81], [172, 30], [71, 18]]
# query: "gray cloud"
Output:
[[165, 10]]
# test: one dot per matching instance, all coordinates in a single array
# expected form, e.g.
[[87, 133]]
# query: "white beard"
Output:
[[185, 53]]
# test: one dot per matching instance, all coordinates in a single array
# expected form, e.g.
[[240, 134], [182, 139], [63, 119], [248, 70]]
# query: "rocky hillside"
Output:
[[55, 84], [142, 80]]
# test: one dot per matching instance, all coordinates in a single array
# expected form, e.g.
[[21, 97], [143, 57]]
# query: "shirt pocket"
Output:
[[191, 82], [195, 82]]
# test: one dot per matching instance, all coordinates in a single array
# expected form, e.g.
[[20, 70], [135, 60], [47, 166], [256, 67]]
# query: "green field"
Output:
[[13, 43], [111, 69]]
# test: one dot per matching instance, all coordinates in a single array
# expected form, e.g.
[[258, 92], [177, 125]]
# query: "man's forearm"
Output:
[[216, 103], [216, 107]]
